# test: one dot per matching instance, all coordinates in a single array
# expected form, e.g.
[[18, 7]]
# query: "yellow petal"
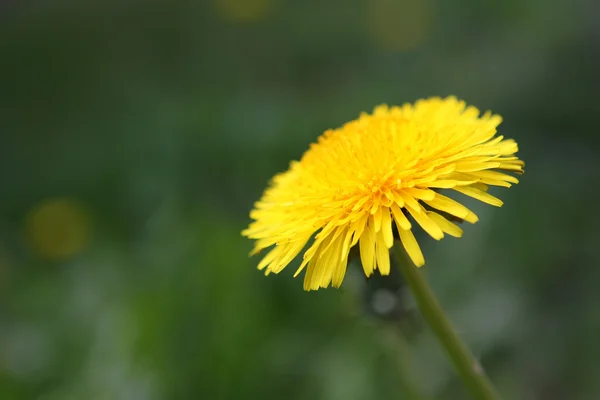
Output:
[[452, 207], [271, 255], [412, 247], [331, 261], [445, 225], [367, 249], [427, 224], [480, 195], [287, 255], [340, 272], [398, 199], [481, 186], [332, 240], [386, 228], [357, 228], [410, 201], [383, 255], [322, 271], [441, 184], [360, 203], [512, 168], [499, 176], [493, 182], [377, 217], [309, 282], [422, 194], [305, 261], [475, 166], [347, 237], [401, 221]]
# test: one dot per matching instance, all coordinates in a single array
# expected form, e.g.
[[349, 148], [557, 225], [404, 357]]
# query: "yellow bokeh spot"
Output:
[[58, 229], [243, 10], [399, 25]]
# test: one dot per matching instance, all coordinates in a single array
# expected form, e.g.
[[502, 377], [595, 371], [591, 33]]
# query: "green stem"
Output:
[[467, 366]]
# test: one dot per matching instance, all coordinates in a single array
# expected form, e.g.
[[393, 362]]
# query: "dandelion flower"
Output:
[[381, 170]]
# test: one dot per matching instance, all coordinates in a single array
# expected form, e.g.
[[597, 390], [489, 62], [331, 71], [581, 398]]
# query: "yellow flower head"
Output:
[[381, 169]]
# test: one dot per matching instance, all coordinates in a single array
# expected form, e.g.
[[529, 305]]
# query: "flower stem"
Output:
[[466, 365]]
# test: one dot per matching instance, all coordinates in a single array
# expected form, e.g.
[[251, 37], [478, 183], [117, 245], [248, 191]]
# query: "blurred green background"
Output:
[[135, 137]]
